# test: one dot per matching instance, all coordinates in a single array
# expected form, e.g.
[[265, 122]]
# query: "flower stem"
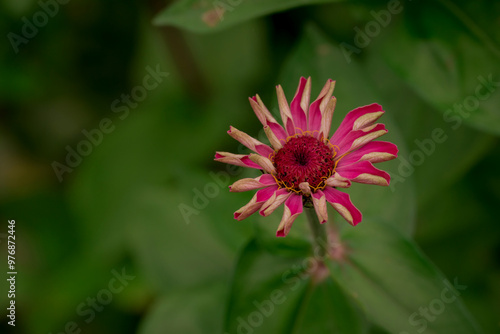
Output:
[[319, 232]]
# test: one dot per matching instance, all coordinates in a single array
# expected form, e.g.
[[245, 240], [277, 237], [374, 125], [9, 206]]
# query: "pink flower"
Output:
[[303, 164]]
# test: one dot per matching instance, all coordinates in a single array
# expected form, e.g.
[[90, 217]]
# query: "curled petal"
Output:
[[266, 118], [250, 142], [342, 203], [300, 104], [236, 159], [358, 119], [278, 198], [263, 162], [261, 110], [375, 151], [358, 138], [306, 189], [293, 208], [338, 181], [252, 184], [247, 210], [273, 139], [255, 203], [364, 172], [319, 202], [317, 108], [286, 114], [326, 121]]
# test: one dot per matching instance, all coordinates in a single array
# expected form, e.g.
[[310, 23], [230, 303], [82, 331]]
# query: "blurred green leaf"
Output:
[[163, 210], [277, 292], [207, 16], [315, 56], [464, 239], [398, 287], [139, 177], [449, 61], [193, 311]]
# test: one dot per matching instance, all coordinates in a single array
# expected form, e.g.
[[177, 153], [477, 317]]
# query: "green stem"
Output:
[[319, 232]]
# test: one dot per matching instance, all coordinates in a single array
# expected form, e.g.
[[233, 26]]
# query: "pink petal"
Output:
[[236, 159], [293, 208], [278, 130], [300, 104], [255, 203], [278, 198], [364, 172], [319, 202], [266, 118], [357, 119], [342, 203], [359, 138], [316, 110], [286, 114], [375, 151], [338, 181], [252, 184], [250, 142]]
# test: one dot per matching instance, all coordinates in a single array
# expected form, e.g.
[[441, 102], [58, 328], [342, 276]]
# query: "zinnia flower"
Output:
[[303, 164]]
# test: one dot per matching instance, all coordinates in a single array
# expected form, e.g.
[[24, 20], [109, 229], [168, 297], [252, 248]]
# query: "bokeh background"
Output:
[[131, 204]]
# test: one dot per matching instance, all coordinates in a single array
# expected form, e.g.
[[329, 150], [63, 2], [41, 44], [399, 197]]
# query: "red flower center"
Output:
[[303, 159]]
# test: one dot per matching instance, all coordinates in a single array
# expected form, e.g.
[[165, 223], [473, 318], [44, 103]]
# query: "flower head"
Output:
[[303, 165]]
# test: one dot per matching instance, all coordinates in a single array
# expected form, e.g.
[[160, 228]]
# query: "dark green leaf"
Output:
[[208, 16], [399, 288]]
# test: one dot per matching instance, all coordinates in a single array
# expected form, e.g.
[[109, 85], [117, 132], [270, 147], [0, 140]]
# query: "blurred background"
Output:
[[109, 124]]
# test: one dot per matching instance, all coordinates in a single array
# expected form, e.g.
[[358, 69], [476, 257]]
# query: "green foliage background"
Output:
[[119, 208]]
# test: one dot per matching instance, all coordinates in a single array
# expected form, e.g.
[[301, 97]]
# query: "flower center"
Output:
[[303, 159]]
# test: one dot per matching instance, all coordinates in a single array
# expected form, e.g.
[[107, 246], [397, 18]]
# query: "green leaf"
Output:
[[441, 53], [398, 287], [327, 309], [435, 163], [208, 16], [276, 292], [169, 141], [315, 56]]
